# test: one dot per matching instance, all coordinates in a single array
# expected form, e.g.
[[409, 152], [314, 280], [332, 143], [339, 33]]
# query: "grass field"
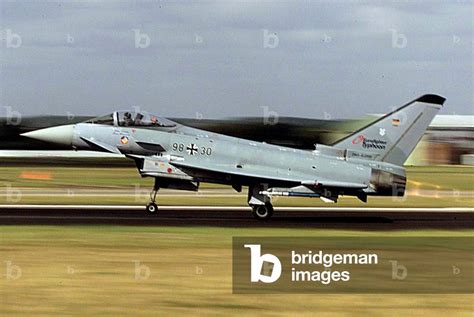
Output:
[[441, 186], [90, 270]]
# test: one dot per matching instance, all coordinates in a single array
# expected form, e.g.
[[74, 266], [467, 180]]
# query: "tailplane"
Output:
[[393, 137]]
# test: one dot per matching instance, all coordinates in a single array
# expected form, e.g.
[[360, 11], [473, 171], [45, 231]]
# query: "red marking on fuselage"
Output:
[[358, 139]]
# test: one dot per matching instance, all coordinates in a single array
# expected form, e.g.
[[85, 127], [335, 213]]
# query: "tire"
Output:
[[152, 208], [262, 212]]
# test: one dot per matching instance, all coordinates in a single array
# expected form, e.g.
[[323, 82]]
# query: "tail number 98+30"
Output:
[[192, 149]]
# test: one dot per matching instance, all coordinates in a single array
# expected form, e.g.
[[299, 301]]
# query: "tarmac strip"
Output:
[[375, 219], [237, 208]]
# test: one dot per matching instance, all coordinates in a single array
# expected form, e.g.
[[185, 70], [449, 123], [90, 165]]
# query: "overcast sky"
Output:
[[218, 59]]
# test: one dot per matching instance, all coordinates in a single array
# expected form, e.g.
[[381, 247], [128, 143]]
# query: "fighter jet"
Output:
[[368, 162]]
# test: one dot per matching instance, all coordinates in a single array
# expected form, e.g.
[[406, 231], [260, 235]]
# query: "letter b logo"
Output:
[[267, 263]]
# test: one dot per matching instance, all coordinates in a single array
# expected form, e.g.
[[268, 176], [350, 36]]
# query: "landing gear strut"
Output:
[[152, 207], [262, 208]]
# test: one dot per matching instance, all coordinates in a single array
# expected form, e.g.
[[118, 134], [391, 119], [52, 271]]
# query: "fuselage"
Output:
[[219, 152]]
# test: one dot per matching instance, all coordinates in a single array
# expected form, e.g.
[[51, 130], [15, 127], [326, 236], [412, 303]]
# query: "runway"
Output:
[[287, 217]]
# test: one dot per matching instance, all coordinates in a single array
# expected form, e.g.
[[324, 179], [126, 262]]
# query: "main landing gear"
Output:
[[262, 208], [262, 212], [152, 207]]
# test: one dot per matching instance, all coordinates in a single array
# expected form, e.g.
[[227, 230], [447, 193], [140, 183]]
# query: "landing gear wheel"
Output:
[[152, 208], [262, 212]]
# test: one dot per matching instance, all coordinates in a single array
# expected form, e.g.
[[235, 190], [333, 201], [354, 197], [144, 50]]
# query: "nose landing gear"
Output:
[[152, 207]]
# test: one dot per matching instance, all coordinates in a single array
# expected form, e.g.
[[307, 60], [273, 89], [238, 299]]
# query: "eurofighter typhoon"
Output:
[[368, 162]]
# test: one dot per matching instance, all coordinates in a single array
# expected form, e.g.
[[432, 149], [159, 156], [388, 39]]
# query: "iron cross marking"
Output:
[[192, 149]]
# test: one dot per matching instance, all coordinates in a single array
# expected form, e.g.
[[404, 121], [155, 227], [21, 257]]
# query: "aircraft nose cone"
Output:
[[60, 135]]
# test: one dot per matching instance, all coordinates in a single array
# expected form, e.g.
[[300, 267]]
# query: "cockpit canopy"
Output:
[[141, 119], [132, 118]]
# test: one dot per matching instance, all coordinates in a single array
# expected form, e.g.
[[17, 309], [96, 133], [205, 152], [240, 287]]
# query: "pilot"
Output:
[[138, 119], [127, 119], [154, 120]]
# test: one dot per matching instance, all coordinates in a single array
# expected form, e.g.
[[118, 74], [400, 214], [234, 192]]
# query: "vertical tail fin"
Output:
[[393, 137]]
